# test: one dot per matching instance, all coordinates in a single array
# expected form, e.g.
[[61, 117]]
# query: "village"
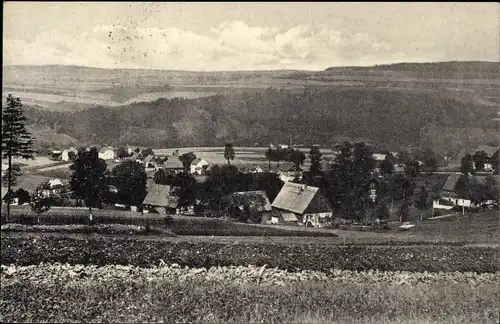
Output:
[[294, 200]]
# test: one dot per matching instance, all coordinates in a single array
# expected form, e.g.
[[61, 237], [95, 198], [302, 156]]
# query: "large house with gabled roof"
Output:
[[301, 204]]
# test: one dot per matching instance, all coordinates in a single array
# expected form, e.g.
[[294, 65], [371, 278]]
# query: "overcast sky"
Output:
[[247, 36]]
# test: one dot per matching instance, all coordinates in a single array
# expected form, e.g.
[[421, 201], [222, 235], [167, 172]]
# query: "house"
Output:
[[256, 169], [160, 199], [133, 149], [287, 175], [379, 157], [489, 150], [149, 161], [491, 153], [5, 167], [450, 198], [198, 166], [56, 187], [307, 203], [173, 165], [69, 154], [137, 156], [55, 155], [107, 153], [399, 168], [255, 202], [54, 183]]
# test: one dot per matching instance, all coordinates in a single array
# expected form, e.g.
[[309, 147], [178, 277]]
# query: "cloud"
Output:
[[231, 45]]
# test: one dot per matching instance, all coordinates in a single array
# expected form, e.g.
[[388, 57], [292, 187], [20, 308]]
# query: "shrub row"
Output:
[[26, 250], [107, 229], [179, 226]]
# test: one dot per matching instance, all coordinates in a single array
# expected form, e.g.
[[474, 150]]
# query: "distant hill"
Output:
[[391, 119], [444, 105]]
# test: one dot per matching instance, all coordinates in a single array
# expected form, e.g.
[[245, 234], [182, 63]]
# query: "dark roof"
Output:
[[294, 197], [173, 163], [196, 161], [449, 185], [490, 150], [452, 179], [285, 166], [159, 195], [258, 197]]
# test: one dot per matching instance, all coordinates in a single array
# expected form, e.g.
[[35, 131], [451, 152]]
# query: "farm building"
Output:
[[255, 204], [107, 153], [173, 165], [69, 154], [160, 199], [307, 203], [198, 166]]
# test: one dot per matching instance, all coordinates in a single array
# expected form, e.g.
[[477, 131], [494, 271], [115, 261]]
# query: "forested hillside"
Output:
[[388, 118]]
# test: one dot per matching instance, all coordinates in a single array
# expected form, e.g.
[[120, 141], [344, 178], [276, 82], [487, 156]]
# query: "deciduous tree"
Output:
[[89, 180], [466, 165], [130, 177]]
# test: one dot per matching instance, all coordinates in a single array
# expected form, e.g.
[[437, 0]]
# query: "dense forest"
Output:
[[389, 119]]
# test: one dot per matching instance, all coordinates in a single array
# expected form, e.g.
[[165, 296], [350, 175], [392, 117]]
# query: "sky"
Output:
[[247, 36]]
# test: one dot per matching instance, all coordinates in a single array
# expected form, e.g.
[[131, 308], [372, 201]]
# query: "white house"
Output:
[[107, 153], [198, 165], [65, 155]]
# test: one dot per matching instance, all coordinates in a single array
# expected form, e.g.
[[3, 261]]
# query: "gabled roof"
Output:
[[197, 160], [490, 150], [295, 197], [173, 163], [289, 217], [4, 191], [72, 149], [159, 195], [149, 158], [258, 197], [136, 156], [106, 148], [285, 166], [55, 182], [452, 179]]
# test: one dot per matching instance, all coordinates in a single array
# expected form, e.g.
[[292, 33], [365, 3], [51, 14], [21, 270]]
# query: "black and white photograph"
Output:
[[250, 162]]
